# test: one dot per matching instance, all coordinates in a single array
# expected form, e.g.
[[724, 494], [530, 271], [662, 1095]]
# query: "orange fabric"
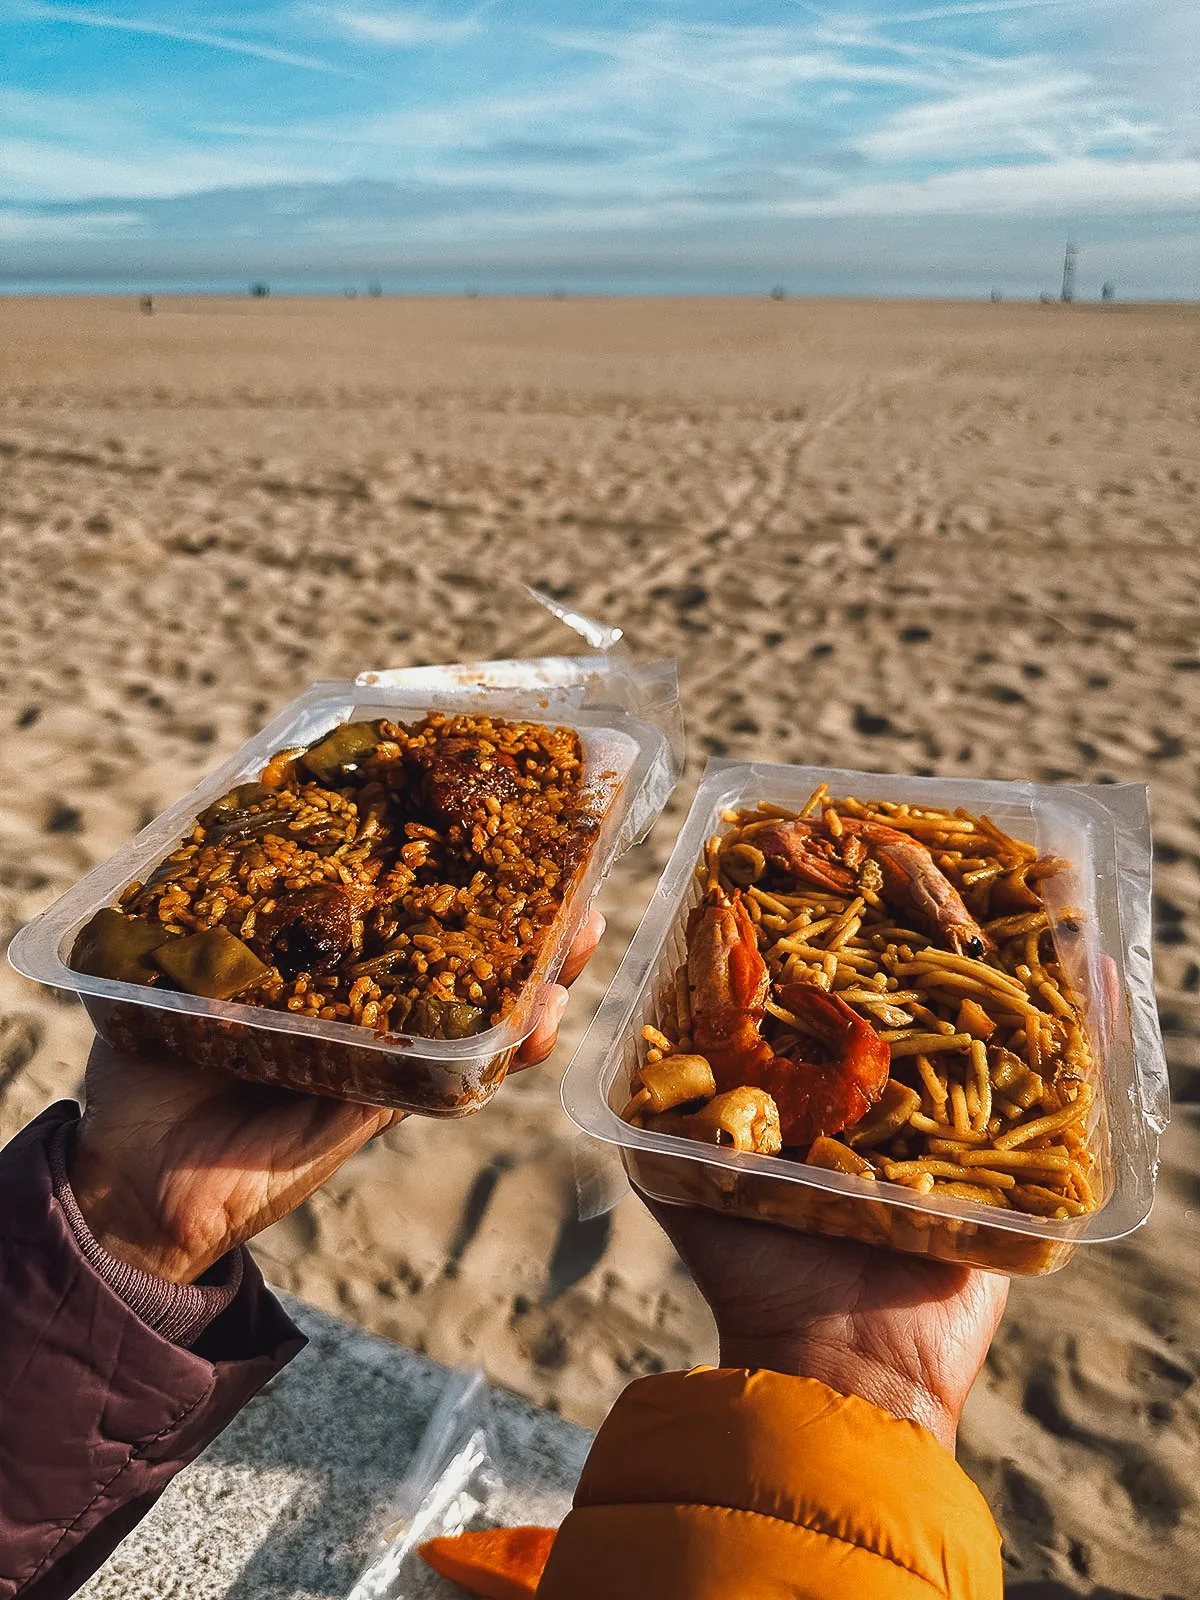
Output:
[[724, 1484], [494, 1563]]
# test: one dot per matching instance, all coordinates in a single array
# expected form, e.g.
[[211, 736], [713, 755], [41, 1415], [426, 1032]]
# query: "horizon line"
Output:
[[39, 290]]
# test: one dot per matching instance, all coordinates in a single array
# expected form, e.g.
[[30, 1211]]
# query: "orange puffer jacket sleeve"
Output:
[[723, 1484]]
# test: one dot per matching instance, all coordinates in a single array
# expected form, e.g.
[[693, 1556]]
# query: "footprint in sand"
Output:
[[20, 1037]]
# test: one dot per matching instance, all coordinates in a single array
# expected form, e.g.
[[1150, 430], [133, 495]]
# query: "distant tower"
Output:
[[1068, 284]]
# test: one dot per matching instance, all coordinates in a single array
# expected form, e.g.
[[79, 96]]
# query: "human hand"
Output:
[[905, 1332], [174, 1166]]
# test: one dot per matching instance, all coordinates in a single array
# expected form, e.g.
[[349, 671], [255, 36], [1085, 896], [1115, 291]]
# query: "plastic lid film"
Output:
[[540, 686], [452, 1478]]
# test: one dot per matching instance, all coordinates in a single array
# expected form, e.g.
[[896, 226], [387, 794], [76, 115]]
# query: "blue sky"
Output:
[[901, 148]]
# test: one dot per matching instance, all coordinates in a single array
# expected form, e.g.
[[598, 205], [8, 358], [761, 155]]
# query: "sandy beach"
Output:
[[948, 538]]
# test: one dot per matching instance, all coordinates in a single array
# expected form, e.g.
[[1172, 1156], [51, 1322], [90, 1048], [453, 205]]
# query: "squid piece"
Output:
[[745, 1119], [1019, 890], [674, 1081], [973, 1019], [1015, 1080], [837, 1157]]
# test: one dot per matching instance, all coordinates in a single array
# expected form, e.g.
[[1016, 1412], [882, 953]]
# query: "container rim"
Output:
[[35, 951], [596, 1063]]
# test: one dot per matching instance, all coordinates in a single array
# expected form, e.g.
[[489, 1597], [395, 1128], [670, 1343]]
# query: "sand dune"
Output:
[[948, 538]]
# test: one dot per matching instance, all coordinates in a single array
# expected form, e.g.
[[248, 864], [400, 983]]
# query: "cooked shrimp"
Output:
[[912, 881], [817, 1098], [729, 985]]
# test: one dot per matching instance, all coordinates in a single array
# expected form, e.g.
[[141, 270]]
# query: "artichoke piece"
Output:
[[115, 946], [341, 751], [444, 1019], [215, 964], [235, 806]]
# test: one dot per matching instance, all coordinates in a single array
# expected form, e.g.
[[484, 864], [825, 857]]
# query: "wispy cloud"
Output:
[[759, 64], [1070, 189], [45, 170], [82, 17], [989, 8], [22, 227], [397, 25], [1058, 114]]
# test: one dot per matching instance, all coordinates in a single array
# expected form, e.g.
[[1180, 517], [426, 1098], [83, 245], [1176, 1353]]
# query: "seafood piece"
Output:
[[745, 1118], [729, 984], [824, 1097], [835, 1157], [662, 1085], [973, 1019], [1020, 889], [912, 880], [1016, 1081], [896, 1104]]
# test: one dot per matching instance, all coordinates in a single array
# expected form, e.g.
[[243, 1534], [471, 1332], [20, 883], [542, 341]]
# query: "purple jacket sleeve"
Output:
[[97, 1411]]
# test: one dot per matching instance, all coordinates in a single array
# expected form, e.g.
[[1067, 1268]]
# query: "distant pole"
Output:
[[1068, 283]]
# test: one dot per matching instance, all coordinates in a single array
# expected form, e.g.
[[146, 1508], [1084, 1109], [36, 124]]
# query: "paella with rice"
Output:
[[397, 876]]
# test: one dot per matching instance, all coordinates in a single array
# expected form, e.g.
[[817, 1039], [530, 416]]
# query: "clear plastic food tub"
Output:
[[1104, 832], [629, 771]]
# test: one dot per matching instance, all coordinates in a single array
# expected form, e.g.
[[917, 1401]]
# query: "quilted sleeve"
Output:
[[98, 1411], [720, 1483]]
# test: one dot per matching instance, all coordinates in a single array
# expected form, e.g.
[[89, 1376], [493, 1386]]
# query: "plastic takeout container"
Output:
[[1104, 832], [627, 720]]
